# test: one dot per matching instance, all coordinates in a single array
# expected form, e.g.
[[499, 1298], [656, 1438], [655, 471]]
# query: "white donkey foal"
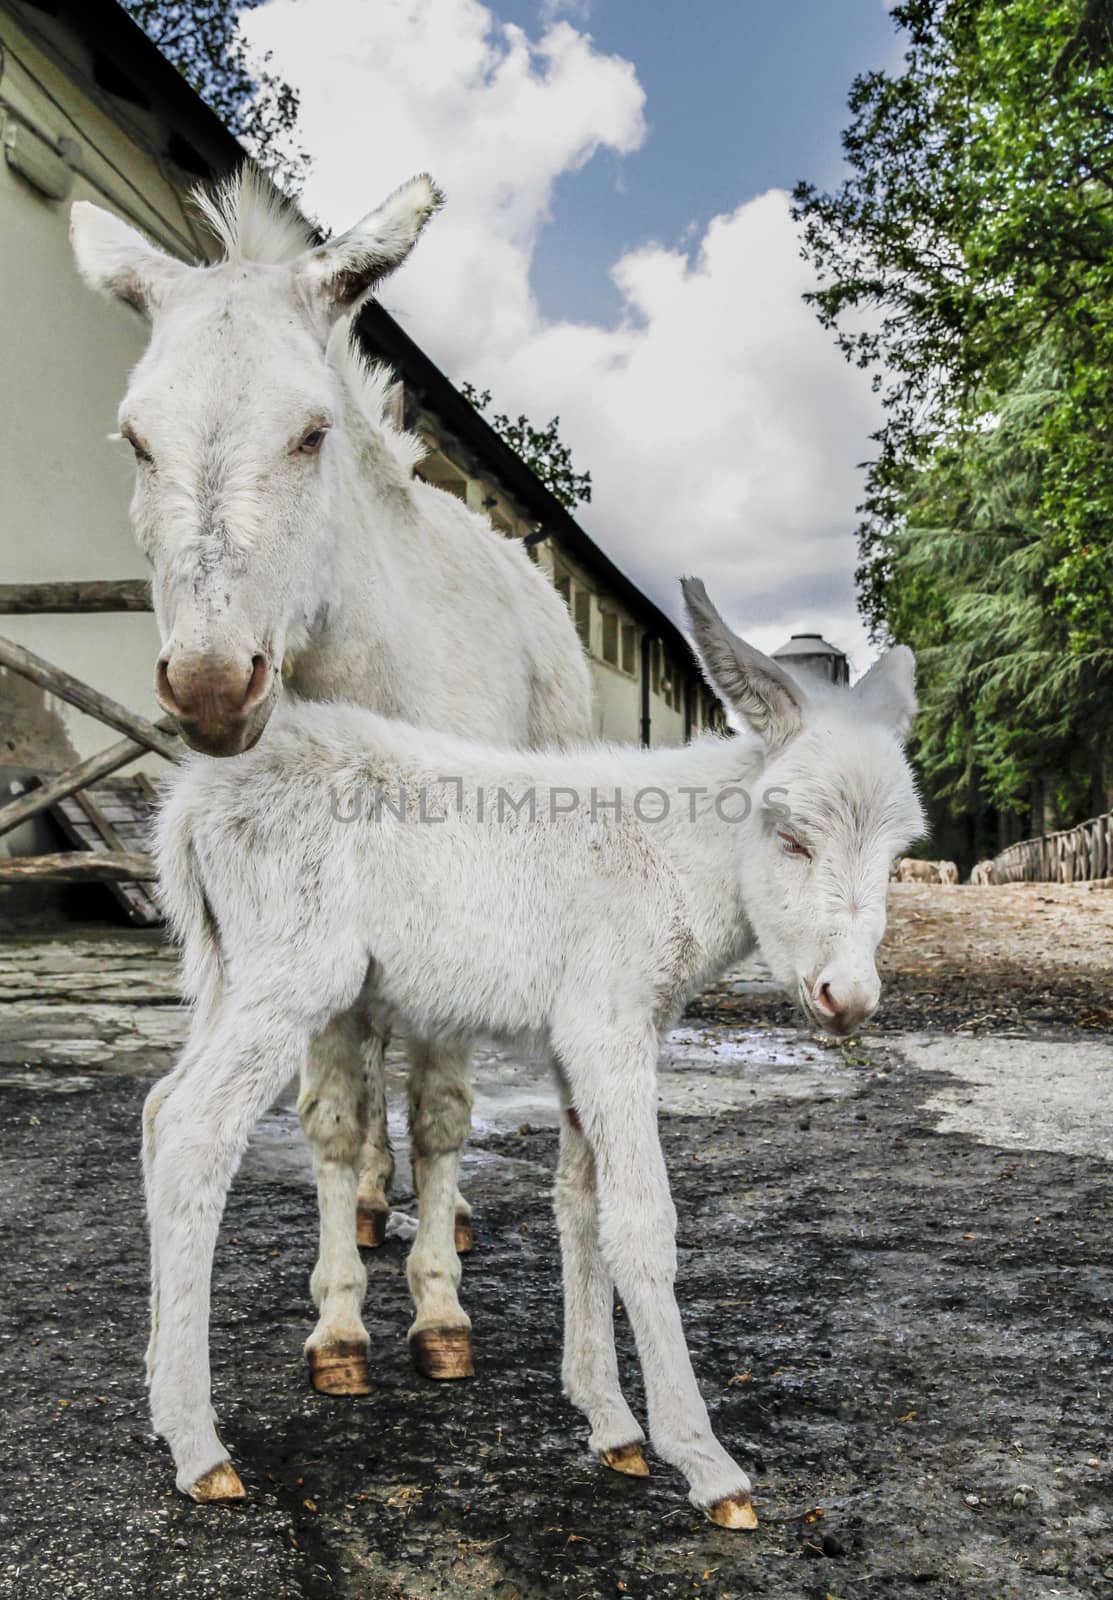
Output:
[[289, 539], [484, 891]]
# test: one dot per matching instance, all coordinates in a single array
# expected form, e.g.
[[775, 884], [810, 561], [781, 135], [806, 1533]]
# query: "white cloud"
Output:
[[720, 426]]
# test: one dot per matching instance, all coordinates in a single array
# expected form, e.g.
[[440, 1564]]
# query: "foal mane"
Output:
[[252, 220]]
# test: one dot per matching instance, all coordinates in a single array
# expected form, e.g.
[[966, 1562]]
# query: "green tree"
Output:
[[967, 263], [204, 41], [976, 224], [1014, 718], [540, 448]]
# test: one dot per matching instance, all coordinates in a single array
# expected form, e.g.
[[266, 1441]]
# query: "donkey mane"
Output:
[[252, 220], [372, 385]]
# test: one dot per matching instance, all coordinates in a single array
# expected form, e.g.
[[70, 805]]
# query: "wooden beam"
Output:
[[91, 701], [78, 866], [114, 594], [74, 778]]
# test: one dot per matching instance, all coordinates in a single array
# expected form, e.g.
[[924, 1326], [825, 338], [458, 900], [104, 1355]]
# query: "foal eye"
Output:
[[311, 442], [793, 847]]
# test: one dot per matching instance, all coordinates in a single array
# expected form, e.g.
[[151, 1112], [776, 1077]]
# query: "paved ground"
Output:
[[896, 1273]]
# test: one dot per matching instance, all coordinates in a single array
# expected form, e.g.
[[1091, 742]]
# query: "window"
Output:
[[655, 667], [629, 648], [582, 616], [668, 682], [563, 586], [610, 638]]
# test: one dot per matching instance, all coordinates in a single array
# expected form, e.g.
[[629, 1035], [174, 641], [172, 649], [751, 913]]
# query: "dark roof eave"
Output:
[[386, 338]]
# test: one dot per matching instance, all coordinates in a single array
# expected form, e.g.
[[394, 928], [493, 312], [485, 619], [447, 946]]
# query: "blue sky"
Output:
[[742, 96], [617, 248]]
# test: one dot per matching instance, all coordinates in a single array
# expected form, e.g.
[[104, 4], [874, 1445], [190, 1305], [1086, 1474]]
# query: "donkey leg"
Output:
[[376, 1159], [590, 1368], [613, 1078], [332, 1106], [440, 1119], [202, 1128]]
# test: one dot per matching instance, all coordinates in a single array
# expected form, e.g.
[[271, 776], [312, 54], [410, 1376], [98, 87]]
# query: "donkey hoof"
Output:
[[370, 1227], [733, 1511], [221, 1482], [339, 1368], [442, 1352], [627, 1458], [464, 1234]]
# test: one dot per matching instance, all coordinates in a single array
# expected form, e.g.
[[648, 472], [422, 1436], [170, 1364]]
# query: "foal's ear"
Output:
[[117, 260], [757, 688], [888, 690], [341, 272]]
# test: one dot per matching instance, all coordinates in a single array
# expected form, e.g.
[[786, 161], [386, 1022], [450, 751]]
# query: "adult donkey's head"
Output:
[[228, 413]]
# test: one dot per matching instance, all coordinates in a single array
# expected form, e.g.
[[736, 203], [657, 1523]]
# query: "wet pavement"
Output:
[[896, 1274]]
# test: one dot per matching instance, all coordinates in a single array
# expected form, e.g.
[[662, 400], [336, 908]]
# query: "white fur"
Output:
[[342, 574], [585, 930]]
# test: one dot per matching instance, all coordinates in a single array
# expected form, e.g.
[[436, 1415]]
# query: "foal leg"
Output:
[[590, 1368], [332, 1106], [202, 1129], [612, 1075], [152, 1106], [440, 1119]]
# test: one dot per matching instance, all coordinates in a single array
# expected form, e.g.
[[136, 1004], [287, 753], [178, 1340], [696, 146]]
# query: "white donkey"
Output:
[[289, 538], [577, 899]]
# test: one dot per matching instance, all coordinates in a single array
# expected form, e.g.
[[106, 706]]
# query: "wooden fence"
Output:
[[1074, 855], [139, 734]]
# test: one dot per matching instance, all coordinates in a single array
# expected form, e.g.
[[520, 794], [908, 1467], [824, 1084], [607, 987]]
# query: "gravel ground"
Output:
[[897, 1283], [1023, 957]]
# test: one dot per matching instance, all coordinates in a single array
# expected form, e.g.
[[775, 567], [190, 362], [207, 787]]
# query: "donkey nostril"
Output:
[[164, 686], [827, 999], [257, 682]]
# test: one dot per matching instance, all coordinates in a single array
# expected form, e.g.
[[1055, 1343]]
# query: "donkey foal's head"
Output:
[[839, 803], [228, 413]]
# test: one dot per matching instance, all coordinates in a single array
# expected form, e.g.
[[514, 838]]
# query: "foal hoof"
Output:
[[442, 1352], [733, 1511], [627, 1458], [221, 1482], [370, 1227], [464, 1234], [339, 1368]]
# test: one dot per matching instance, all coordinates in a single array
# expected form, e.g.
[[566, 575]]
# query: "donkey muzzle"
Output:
[[220, 703]]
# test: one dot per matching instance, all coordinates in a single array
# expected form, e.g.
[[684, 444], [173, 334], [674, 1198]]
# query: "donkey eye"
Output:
[[311, 442], [792, 846]]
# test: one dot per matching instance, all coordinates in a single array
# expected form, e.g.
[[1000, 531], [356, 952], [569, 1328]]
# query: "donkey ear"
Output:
[[341, 272], [888, 690], [757, 688], [117, 260]]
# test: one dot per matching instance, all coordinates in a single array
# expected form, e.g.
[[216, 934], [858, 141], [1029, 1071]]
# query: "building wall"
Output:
[[64, 355]]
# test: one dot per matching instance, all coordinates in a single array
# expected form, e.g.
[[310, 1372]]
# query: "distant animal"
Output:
[[913, 871], [582, 922], [291, 543], [984, 873], [948, 872]]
